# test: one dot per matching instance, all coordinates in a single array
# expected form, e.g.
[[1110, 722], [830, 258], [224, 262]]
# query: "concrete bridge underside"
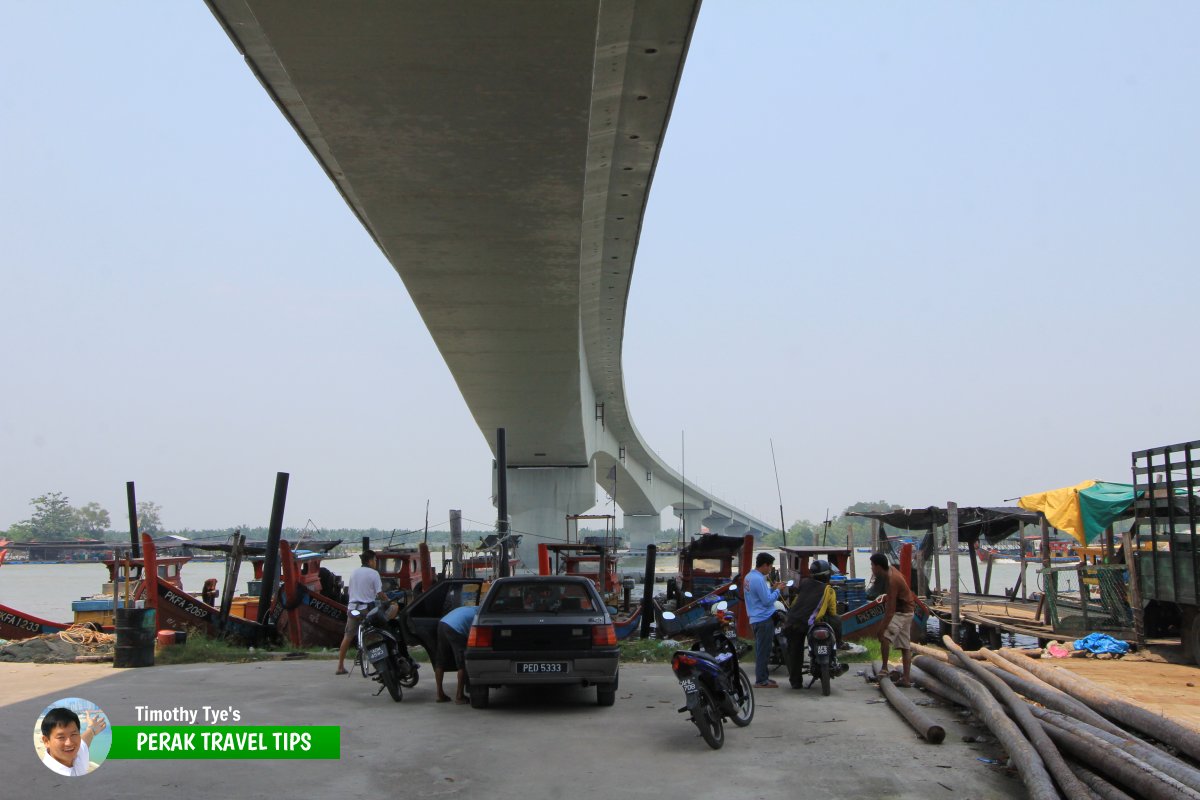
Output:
[[500, 155]]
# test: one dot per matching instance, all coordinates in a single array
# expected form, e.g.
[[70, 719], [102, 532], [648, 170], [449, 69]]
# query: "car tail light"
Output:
[[480, 636], [603, 636], [681, 660]]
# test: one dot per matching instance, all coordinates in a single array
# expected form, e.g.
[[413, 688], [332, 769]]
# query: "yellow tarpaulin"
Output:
[[1061, 507]]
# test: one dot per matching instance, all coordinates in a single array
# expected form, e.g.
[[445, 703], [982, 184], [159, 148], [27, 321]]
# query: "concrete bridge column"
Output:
[[692, 519], [642, 529], [539, 501]]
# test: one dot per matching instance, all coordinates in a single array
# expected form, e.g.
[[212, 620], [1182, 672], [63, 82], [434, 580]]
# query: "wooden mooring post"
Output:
[[955, 600], [456, 543]]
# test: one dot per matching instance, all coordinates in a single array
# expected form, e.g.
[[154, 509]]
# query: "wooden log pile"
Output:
[[1066, 736]]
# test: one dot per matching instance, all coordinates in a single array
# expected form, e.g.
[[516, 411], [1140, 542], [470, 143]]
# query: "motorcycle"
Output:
[[714, 685], [778, 657], [823, 662], [383, 654]]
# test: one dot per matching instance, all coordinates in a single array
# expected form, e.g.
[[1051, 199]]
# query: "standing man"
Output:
[[898, 618], [815, 600], [760, 608], [452, 633], [365, 588]]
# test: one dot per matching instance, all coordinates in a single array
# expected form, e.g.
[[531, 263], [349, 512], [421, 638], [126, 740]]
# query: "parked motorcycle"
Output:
[[714, 685], [383, 654], [823, 662], [778, 657]]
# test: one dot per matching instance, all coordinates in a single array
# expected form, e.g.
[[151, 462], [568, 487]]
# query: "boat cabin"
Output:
[[794, 561], [706, 562], [596, 562]]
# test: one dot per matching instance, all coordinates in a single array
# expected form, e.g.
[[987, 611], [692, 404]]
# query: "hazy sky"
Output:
[[932, 250]]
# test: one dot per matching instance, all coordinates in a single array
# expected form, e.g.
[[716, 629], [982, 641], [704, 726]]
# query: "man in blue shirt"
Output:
[[452, 641], [760, 607]]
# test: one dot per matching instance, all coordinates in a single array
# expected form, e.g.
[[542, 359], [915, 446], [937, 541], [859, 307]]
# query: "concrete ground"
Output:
[[527, 745]]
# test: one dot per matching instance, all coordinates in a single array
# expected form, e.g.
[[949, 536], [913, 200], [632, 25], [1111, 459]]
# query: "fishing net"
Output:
[[1086, 598]]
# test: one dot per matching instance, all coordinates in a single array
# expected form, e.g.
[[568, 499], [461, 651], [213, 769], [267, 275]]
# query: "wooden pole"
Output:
[[1021, 540], [1164, 729], [1027, 761], [131, 503], [850, 545], [232, 567], [937, 559], [1140, 777], [648, 591], [929, 730], [1135, 588], [128, 569], [270, 574], [456, 543], [1149, 754], [116, 573], [876, 528], [987, 574], [1045, 748], [973, 552], [955, 599]]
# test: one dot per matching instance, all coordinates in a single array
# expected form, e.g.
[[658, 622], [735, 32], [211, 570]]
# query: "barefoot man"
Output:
[[898, 618]]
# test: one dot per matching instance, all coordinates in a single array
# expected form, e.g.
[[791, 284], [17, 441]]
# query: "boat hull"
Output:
[[866, 621], [180, 611], [16, 624], [320, 622]]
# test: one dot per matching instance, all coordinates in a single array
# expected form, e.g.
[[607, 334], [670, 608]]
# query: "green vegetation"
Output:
[[652, 651], [199, 649]]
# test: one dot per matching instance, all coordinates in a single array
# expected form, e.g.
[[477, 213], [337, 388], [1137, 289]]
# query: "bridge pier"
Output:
[[693, 518], [642, 529], [539, 501]]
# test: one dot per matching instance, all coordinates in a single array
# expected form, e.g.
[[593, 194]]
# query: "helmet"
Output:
[[820, 569]]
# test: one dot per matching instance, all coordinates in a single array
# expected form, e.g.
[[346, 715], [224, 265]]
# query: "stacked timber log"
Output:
[[1066, 736]]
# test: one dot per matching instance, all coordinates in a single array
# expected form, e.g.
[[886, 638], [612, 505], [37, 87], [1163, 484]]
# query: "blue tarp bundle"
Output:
[[1102, 643]]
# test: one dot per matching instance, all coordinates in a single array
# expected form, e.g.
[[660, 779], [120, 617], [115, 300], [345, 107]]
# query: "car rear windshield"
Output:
[[541, 597]]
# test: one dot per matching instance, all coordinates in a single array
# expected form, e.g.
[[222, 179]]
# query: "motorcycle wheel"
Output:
[[708, 719], [410, 680], [387, 674], [825, 679], [743, 700]]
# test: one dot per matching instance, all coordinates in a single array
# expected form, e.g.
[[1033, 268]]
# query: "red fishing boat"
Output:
[[305, 611], [179, 610]]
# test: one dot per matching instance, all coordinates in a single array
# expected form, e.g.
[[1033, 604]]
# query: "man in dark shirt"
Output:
[[898, 617]]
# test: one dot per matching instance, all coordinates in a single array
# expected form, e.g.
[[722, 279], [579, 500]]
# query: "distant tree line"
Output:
[[837, 531], [54, 519]]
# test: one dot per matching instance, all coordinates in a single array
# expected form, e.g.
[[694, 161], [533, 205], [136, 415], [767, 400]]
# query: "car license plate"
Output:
[[535, 667], [822, 649], [688, 685], [377, 653]]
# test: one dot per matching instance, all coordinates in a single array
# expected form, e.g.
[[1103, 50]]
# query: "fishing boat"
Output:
[[595, 558], [706, 567], [309, 609], [179, 610], [15, 624]]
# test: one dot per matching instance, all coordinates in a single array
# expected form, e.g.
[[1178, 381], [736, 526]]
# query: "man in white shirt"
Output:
[[365, 587], [66, 748]]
